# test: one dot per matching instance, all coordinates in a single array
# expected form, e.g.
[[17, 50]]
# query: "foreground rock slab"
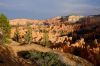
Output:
[[8, 54]]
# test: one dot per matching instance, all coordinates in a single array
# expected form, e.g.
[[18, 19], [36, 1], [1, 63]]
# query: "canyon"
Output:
[[76, 39]]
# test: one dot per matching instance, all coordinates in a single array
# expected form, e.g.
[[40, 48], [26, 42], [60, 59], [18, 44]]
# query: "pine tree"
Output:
[[46, 39], [5, 28], [16, 34], [28, 35]]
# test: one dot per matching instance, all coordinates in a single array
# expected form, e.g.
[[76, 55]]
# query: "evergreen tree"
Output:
[[16, 34], [5, 28], [28, 35], [46, 39]]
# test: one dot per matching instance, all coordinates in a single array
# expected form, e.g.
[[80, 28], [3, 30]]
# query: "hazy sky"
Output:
[[42, 9]]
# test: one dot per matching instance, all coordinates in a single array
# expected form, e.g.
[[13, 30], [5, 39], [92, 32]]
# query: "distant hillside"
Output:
[[24, 21], [54, 20]]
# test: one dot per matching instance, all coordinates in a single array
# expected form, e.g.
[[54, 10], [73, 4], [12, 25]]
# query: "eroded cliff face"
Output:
[[54, 26]]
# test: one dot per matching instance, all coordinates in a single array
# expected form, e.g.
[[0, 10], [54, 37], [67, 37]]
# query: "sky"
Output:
[[43, 9]]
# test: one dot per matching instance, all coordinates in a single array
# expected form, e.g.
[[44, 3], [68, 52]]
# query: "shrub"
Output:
[[5, 28], [43, 58]]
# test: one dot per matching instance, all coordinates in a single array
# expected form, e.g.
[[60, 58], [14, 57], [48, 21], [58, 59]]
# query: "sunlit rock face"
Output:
[[54, 27], [74, 18]]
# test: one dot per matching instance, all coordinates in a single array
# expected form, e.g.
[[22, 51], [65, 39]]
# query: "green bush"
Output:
[[5, 28], [43, 58]]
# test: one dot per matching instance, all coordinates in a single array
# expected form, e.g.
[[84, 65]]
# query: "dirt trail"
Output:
[[18, 48]]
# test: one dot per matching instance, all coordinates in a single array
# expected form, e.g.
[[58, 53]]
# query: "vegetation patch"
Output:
[[42, 58]]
